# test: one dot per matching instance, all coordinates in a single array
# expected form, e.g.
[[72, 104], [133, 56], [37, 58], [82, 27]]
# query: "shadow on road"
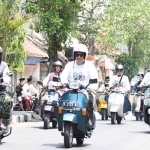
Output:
[[141, 132], [61, 146], [43, 128], [1, 143]]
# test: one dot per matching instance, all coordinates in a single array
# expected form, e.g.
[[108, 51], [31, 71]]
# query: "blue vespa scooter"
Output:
[[73, 114]]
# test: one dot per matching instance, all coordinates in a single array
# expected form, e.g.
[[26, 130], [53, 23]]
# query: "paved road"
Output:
[[130, 135]]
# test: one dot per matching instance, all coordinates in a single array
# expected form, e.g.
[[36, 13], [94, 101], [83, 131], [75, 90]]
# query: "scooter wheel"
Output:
[[119, 120], [138, 116], [68, 135], [46, 123], [54, 124], [113, 118], [80, 139], [104, 114]]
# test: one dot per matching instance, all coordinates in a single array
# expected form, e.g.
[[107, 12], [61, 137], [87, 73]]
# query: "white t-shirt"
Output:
[[146, 79], [81, 73], [28, 90], [125, 84], [102, 88], [4, 70]]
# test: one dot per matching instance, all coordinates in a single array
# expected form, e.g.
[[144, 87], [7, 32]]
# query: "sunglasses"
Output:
[[79, 54], [106, 80], [119, 70]]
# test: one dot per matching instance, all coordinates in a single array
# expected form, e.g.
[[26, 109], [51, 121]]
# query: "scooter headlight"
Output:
[[74, 85]]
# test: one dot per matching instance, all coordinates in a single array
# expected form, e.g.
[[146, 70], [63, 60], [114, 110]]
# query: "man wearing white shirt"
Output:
[[124, 85], [81, 70]]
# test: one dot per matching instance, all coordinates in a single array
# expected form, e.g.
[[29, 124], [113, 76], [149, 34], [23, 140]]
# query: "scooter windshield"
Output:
[[51, 96]]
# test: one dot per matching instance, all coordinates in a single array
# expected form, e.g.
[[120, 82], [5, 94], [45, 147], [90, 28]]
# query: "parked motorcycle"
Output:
[[34, 102], [49, 110], [5, 111], [73, 114], [116, 105], [102, 105], [137, 106]]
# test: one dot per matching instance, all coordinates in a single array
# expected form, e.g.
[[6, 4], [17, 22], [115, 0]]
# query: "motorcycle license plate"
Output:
[[48, 108]]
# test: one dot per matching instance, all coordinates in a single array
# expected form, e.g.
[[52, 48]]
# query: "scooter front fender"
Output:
[[114, 108], [137, 109], [70, 117]]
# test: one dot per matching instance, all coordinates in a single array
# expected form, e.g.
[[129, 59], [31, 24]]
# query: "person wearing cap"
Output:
[[57, 67], [19, 92], [82, 70], [4, 81]]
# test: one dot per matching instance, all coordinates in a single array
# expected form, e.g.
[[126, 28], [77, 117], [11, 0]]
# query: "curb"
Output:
[[21, 116]]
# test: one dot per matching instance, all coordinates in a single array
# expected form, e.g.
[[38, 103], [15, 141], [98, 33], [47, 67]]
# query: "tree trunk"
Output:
[[52, 51]]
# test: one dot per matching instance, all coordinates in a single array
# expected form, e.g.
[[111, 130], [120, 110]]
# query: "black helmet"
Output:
[[119, 67], [57, 63]]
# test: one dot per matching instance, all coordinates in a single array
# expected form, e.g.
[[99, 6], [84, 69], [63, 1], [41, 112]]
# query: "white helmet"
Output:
[[80, 48], [1, 50]]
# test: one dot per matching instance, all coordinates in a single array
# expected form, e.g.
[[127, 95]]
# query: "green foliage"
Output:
[[12, 34], [131, 65], [55, 19], [88, 23], [127, 23]]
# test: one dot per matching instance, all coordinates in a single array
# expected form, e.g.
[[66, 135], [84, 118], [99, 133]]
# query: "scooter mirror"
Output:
[[56, 79], [92, 81], [40, 83], [9, 73]]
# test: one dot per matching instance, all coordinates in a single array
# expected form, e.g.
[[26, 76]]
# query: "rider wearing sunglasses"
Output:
[[81, 70]]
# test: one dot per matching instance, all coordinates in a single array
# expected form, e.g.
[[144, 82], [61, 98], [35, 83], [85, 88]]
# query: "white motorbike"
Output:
[[137, 106], [49, 110], [116, 105]]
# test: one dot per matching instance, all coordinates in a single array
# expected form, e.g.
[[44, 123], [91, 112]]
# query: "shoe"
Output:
[[2, 127], [90, 122]]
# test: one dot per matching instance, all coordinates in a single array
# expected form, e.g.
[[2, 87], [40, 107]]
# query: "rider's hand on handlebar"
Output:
[[66, 85], [4, 84]]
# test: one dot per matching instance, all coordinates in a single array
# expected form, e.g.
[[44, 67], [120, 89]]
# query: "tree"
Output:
[[88, 23], [12, 34], [131, 65], [126, 23], [55, 19]]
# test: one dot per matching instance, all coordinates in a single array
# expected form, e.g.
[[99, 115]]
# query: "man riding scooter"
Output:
[[122, 81], [145, 86], [104, 87], [82, 71], [136, 88], [28, 92], [103, 98], [5, 101], [137, 106]]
